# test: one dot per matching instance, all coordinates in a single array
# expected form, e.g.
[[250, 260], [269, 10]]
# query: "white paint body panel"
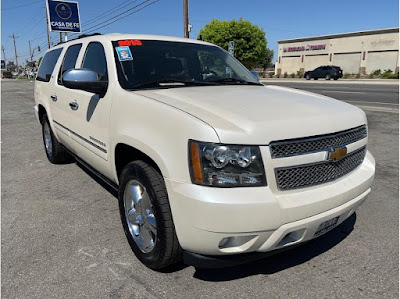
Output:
[[160, 122]]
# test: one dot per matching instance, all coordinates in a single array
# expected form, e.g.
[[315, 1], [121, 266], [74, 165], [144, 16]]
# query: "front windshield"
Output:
[[165, 64]]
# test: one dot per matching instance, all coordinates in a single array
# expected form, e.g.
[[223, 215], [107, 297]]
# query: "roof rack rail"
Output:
[[87, 35], [80, 36]]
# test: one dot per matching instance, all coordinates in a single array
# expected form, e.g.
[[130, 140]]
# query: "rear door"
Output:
[[61, 95]]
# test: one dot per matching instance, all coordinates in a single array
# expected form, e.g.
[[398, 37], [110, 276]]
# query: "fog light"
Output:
[[223, 242]]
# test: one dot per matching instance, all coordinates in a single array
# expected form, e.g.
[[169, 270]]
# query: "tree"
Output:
[[11, 66], [250, 42]]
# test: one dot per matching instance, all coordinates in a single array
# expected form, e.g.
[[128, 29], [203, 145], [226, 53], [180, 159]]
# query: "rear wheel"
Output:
[[308, 77], [55, 152], [146, 216], [328, 76]]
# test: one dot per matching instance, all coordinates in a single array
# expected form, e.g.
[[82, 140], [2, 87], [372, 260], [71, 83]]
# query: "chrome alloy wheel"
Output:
[[47, 139], [140, 216]]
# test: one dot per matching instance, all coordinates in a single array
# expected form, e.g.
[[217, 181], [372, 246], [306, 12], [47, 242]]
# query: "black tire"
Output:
[[308, 77], [315, 78], [328, 77], [58, 154], [166, 250], [335, 78]]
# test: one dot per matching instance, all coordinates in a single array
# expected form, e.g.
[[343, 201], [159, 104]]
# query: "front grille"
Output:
[[318, 173], [293, 147]]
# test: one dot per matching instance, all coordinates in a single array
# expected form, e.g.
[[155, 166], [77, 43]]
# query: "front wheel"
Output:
[[146, 216], [328, 76], [335, 78]]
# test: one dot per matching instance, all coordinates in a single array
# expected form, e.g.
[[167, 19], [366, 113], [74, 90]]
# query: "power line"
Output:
[[90, 30], [110, 11], [23, 5]]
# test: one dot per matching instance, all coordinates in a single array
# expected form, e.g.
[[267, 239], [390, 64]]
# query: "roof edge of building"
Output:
[[340, 35]]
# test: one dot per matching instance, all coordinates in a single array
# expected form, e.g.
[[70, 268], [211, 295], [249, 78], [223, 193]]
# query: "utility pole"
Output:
[[186, 18], [4, 54], [47, 27], [15, 50], [30, 51]]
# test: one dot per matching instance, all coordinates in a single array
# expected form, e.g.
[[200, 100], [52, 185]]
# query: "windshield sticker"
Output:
[[130, 42], [124, 53]]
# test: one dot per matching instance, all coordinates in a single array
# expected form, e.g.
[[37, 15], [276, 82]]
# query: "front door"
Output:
[[89, 113]]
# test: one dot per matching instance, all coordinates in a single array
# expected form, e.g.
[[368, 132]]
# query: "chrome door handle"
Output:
[[74, 105], [53, 97]]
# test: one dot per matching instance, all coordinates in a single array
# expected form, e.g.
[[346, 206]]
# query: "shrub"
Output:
[[271, 74], [261, 74], [376, 73], [285, 75], [346, 76], [292, 75], [300, 74], [387, 74], [358, 76], [371, 76]]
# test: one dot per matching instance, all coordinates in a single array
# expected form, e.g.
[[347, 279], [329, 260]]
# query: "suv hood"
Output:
[[261, 114]]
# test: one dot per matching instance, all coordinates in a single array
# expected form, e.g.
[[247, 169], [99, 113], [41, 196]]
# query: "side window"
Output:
[[95, 60], [69, 60], [47, 66]]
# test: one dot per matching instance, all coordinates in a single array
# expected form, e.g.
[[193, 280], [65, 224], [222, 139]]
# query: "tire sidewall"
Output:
[[134, 171], [45, 120]]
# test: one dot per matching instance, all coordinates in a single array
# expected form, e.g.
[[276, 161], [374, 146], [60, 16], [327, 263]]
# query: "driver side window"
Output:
[[95, 60]]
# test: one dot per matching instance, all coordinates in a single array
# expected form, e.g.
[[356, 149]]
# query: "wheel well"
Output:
[[42, 112], [125, 154]]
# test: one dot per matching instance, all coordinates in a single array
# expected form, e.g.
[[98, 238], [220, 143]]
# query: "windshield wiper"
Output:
[[233, 80], [170, 83]]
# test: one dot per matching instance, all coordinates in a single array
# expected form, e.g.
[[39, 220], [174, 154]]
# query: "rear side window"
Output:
[[95, 60], [47, 66], [69, 60]]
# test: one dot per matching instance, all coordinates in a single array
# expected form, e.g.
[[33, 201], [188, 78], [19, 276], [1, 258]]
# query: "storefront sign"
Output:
[[305, 48]]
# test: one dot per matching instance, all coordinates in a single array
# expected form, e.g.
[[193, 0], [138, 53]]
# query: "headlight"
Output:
[[226, 165]]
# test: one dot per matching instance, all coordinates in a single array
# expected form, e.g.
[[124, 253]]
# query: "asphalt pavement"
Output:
[[360, 94], [62, 238]]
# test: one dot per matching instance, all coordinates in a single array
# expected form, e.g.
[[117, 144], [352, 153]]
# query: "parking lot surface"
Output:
[[62, 238]]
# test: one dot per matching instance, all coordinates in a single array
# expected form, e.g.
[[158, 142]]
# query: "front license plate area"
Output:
[[326, 226]]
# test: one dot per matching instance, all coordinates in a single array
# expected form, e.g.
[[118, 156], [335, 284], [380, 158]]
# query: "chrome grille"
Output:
[[293, 147], [317, 173]]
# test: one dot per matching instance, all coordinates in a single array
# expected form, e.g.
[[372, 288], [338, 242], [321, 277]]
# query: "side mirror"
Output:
[[255, 74], [84, 79]]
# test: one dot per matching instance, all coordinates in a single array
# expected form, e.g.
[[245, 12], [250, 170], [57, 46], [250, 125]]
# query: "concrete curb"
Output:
[[340, 81]]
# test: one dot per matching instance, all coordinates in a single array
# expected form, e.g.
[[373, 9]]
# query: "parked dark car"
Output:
[[328, 72]]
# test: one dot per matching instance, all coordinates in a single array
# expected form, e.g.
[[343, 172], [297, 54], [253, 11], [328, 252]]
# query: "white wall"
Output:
[[350, 63], [382, 61]]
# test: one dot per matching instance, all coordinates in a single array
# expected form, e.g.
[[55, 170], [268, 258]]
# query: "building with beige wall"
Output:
[[356, 52]]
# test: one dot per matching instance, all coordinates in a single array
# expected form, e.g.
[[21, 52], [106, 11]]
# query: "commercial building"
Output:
[[356, 52]]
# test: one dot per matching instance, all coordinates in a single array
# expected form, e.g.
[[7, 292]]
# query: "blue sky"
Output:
[[280, 19]]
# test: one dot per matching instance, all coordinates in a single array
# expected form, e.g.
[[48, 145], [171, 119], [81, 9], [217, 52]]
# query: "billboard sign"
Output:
[[63, 16]]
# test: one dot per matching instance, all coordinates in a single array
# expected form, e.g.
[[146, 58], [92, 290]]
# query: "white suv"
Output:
[[208, 163]]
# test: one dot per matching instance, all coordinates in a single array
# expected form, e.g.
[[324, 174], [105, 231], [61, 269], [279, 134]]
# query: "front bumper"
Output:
[[261, 219]]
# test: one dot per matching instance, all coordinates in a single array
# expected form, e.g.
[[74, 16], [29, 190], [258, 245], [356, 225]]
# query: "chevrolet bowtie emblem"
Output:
[[337, 153]]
